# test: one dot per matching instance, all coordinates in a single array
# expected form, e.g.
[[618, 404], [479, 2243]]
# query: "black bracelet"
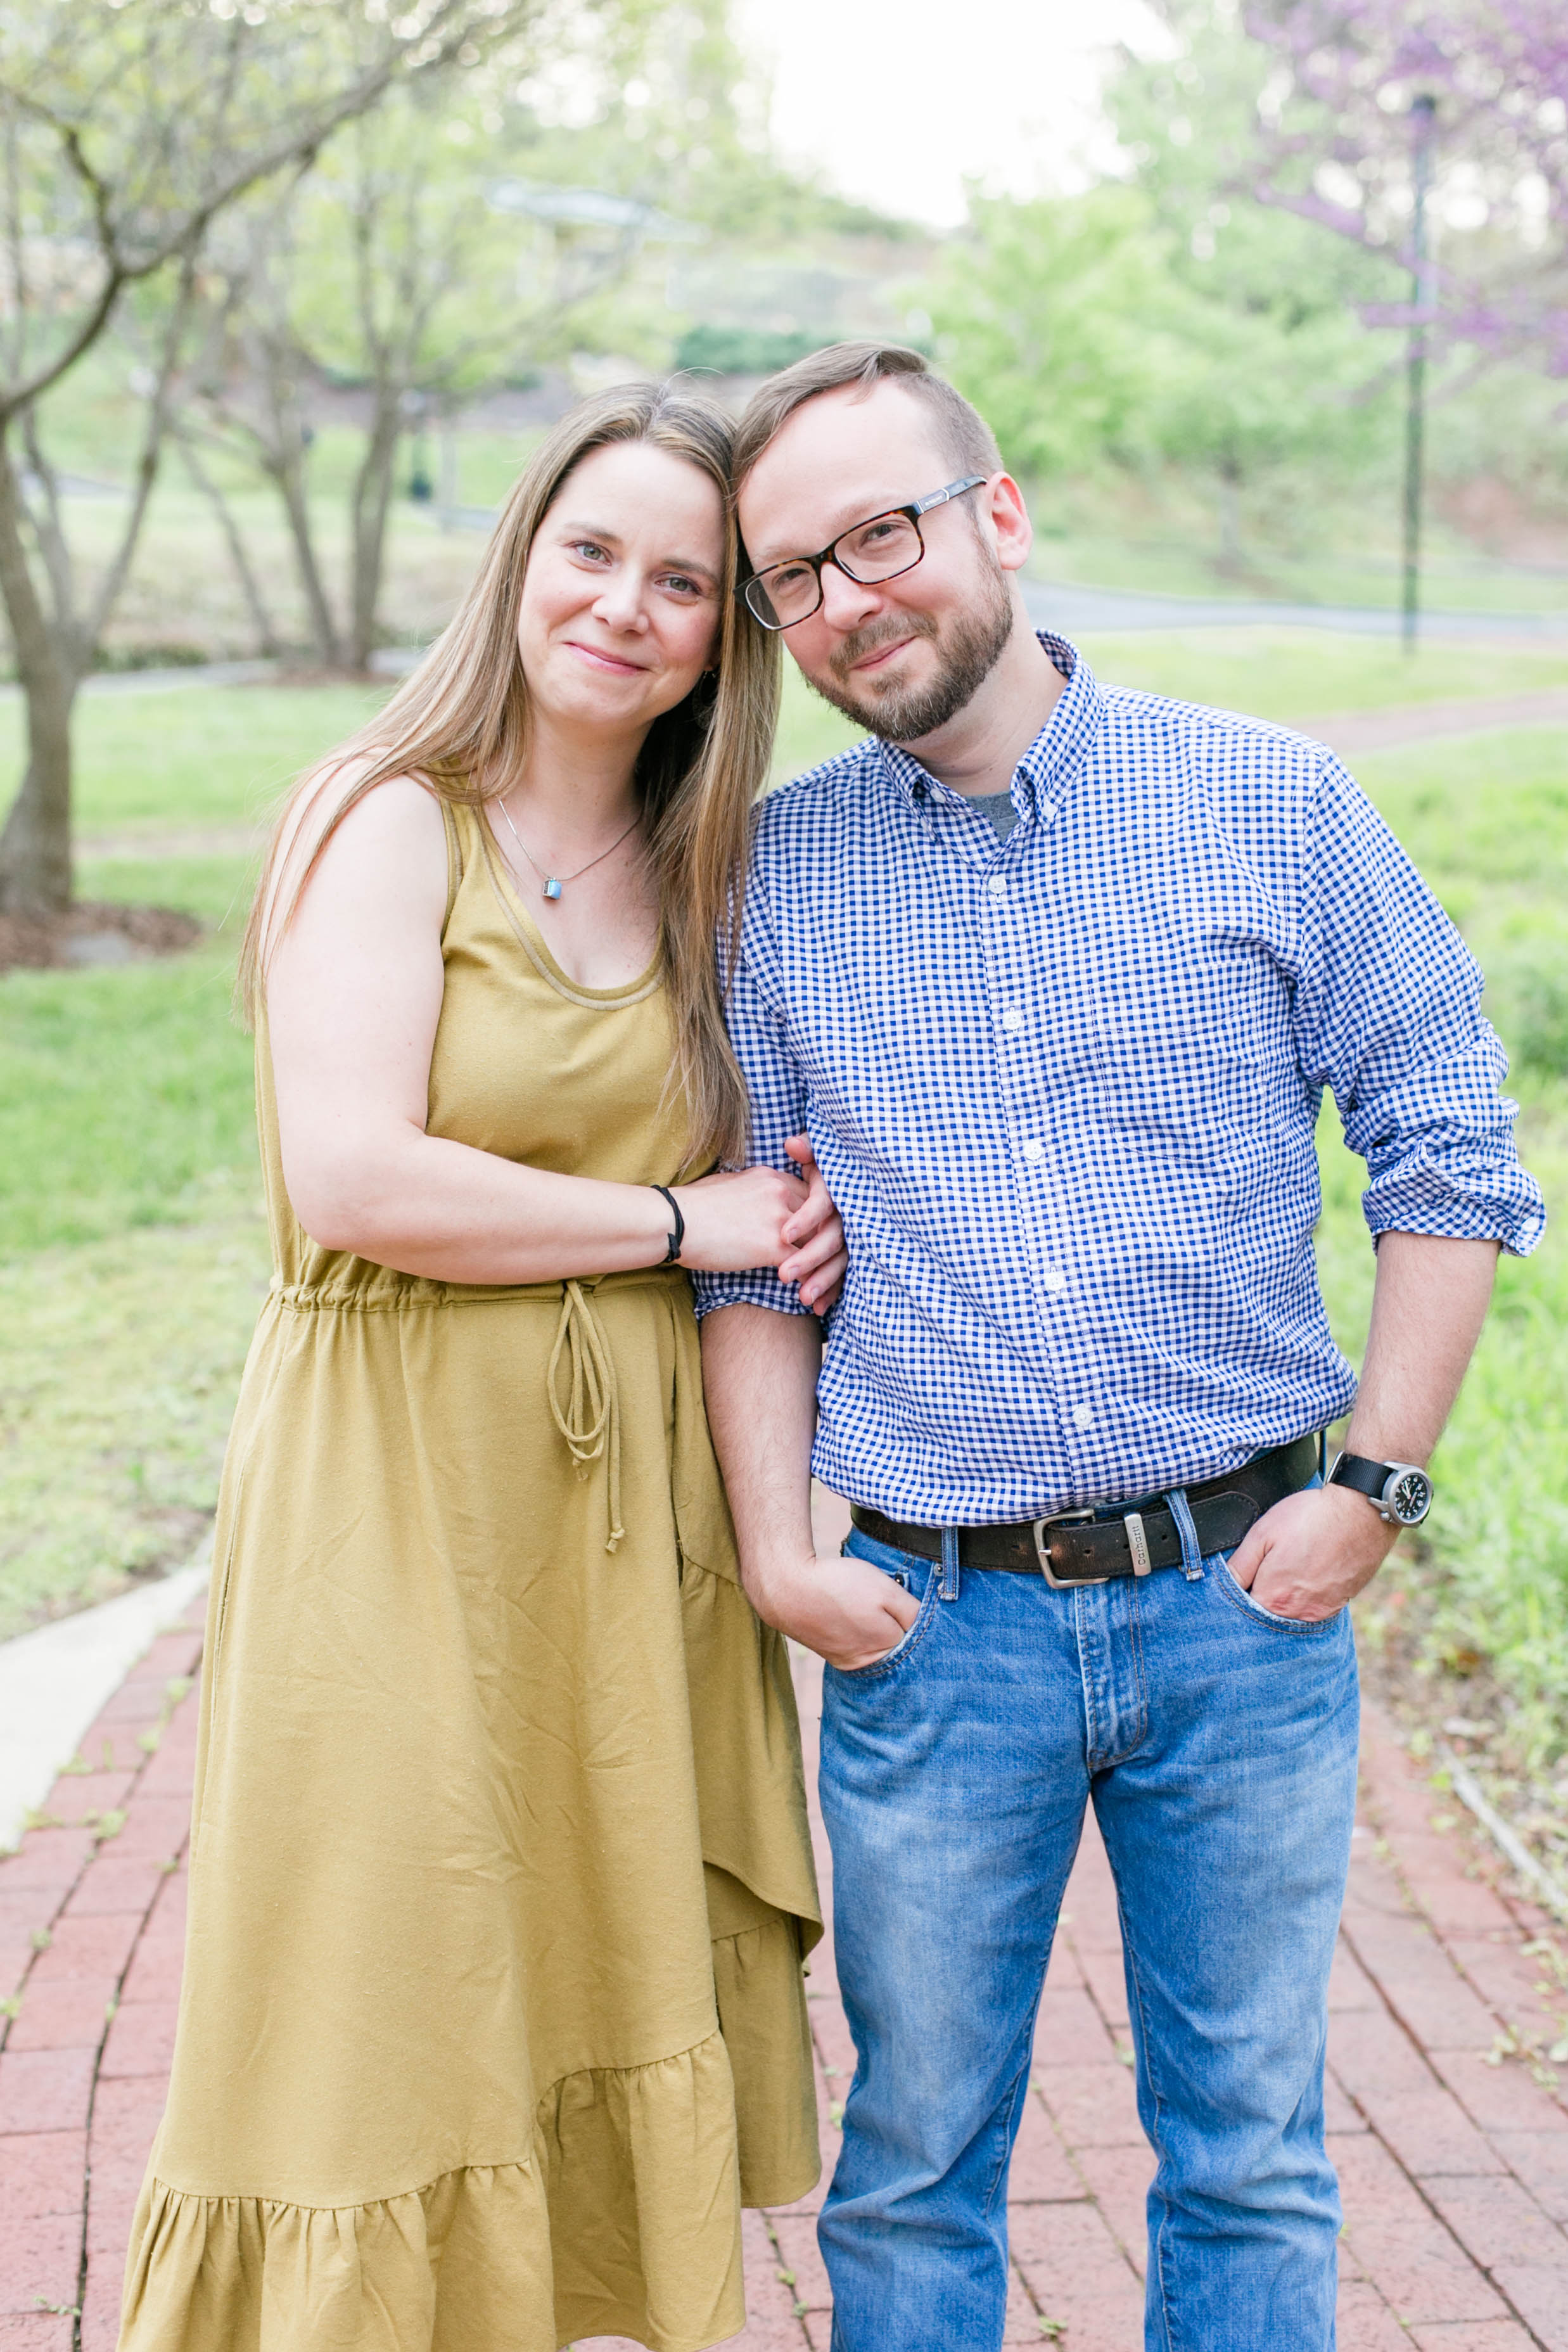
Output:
[[673, 1254]]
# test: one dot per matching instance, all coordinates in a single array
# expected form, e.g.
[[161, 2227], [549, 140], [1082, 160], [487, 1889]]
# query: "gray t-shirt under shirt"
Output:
[[999, 807]]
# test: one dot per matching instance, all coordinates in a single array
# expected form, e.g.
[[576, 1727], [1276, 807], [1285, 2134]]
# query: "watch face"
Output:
[[1408, 1497]]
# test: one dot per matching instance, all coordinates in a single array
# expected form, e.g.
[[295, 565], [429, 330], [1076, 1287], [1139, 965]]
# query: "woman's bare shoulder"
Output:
[[392, 842]]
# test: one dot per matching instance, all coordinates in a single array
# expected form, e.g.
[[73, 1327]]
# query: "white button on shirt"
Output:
[[1082, 1416], [997, 887], [1032, 1148], [1012, 1018], [1052, 1279]]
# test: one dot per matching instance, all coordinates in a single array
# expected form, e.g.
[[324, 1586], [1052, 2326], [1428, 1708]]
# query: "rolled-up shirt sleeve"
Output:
[[778, 1102], [1389, 1016]]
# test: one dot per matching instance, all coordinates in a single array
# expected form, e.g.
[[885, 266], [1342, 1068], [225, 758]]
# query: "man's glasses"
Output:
[[783, 593]]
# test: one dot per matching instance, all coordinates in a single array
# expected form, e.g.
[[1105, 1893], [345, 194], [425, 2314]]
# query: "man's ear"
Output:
[[1002, 504]]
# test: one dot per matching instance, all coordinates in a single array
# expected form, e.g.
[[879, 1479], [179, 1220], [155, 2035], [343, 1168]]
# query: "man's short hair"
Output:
[[967, 441]]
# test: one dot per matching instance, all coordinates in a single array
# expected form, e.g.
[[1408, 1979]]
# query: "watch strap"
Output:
[[1366, 1477]]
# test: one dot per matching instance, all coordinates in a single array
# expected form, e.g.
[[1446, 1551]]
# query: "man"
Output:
[[1052, 977]]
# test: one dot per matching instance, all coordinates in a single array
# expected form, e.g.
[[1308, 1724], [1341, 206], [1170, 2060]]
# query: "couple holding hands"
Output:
[[1004, 1075]]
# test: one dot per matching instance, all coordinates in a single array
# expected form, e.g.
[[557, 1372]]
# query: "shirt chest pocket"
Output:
[[1195, 1041]]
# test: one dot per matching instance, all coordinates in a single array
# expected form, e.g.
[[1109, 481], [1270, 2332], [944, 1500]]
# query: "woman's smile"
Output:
[[599, 657]]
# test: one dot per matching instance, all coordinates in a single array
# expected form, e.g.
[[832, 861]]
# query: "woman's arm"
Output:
[[353, 997]]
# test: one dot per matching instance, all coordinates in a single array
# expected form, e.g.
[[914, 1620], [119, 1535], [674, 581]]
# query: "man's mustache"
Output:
[[876, 635]]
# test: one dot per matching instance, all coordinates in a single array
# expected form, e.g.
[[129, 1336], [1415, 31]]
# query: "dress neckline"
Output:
[[538, 947]]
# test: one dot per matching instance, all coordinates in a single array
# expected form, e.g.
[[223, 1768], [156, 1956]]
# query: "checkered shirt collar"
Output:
[[1051, 763]]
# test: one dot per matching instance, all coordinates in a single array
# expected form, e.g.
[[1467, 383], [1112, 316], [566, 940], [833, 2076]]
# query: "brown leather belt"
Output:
[[1088, 1547]]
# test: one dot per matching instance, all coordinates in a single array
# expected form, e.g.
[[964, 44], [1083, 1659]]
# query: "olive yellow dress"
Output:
[[501, 1880]]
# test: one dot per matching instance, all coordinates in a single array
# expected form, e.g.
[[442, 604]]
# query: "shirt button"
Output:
[[1052, 1279], [1032, 1148], [1082, 1416], [1013, 1018], [997, 887]]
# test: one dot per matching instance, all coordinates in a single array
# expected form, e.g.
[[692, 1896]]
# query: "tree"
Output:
[[405, 265], [1272, 370], [455, 240], [1041, 313], [1333, 146], [130, 127], [1088, 330]]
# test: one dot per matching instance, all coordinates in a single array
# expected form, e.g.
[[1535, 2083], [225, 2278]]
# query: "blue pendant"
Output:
[[552, 888]]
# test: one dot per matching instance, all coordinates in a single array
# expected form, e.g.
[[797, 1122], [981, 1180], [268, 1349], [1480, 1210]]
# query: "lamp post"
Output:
[[1422, 117]]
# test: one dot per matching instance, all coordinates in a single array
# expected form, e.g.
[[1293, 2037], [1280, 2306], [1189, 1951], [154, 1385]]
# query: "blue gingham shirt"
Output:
[[1063, 1090]]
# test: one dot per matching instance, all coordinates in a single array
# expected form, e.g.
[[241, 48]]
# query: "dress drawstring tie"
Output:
[[588, 1414]]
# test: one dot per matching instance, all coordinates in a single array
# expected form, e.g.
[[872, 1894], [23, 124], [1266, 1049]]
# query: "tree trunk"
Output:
[[1229, 515], [288, 473], [373, 499], [36, 846], [255, 603]]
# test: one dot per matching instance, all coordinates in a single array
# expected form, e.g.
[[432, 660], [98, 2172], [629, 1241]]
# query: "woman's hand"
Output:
[[736, 1221], [818, 1257], [764, 1217]]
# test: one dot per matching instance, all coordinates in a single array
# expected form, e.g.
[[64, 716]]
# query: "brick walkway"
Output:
[[1450, 2133]]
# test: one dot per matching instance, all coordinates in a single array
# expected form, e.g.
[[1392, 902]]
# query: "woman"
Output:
[[501, 1879]]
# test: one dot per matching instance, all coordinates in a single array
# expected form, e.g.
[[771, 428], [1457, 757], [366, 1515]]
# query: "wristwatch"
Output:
[[1399, 1491]]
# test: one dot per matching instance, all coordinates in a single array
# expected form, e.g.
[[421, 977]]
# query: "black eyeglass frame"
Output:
[[828, 555]]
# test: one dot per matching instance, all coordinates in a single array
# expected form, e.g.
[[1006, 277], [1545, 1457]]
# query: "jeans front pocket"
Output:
[[1238, 1596], [903, 1569]]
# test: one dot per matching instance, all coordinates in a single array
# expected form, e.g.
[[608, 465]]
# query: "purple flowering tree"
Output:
[[1344, 134]]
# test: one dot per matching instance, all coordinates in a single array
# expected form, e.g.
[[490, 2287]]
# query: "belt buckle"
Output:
[[1042, 1549]]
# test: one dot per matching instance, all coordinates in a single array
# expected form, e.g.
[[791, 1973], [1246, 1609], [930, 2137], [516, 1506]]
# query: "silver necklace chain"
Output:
[[554, 884]]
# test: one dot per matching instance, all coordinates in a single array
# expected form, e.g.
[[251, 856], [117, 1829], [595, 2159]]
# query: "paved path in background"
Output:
[[1413, 722], [1449, 2128]]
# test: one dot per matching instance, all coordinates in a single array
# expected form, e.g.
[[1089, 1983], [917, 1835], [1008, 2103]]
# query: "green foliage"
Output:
[[1042, 319], [1075, 330], [742, 351], [1202, 127], [1188, 122], [397, 257]]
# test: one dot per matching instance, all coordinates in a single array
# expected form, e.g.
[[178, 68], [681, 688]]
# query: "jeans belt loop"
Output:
[[1191, 1549], [949, 1588]]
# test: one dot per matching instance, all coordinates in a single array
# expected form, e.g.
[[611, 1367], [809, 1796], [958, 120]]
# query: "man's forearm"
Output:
[[1427, 1309], [1314, 1551], [759, 1377]]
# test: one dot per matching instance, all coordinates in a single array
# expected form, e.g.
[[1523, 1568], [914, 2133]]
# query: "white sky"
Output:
[[900, 100]]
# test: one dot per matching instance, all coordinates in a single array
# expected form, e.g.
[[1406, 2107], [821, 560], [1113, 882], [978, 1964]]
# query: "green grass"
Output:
[[118, 1364], [1294, 673], [194, 756], [130, 1247], [124, 1094]]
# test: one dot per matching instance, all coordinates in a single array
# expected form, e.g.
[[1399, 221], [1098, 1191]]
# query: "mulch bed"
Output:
[[93, 932]]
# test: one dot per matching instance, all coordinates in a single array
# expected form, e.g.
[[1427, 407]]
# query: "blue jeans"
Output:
[[1217, 1743]]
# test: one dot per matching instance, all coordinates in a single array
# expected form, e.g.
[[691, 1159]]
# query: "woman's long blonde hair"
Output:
[[460, 724]]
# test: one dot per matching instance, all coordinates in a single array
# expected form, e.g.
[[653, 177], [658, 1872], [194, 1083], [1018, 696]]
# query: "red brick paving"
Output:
[[1448, 2122]]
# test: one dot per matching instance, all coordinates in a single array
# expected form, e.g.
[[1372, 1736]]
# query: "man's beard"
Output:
[[968, 649]]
